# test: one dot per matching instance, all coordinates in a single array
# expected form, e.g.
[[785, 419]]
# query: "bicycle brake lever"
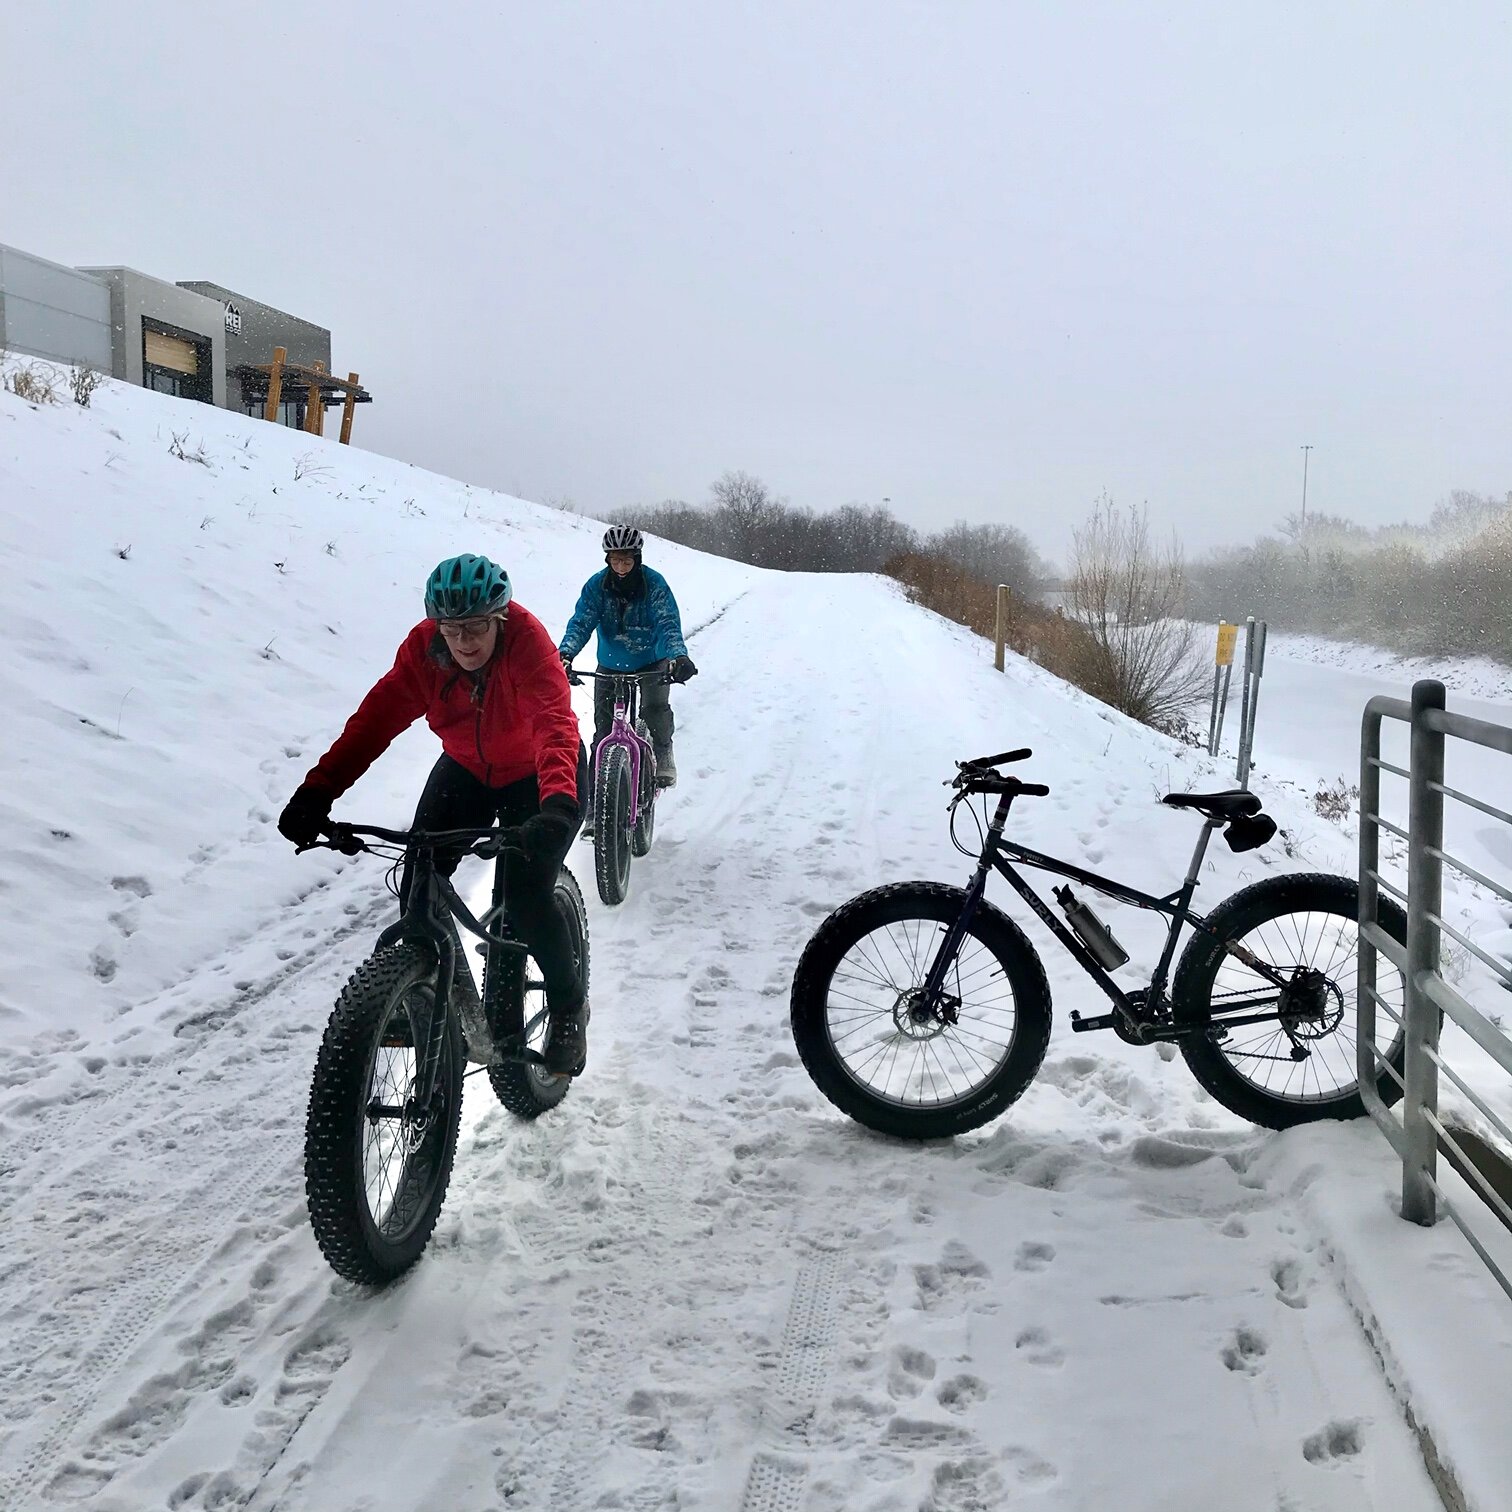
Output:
[[343, 840]]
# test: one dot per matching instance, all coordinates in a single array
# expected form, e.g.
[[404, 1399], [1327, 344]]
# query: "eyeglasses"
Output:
[[456, 630]]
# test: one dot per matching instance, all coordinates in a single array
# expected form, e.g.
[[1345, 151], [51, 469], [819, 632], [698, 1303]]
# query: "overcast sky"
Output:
[[983, 260]]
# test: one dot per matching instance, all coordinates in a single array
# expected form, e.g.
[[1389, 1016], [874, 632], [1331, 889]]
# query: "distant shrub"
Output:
[[83, 381], [34, 382]]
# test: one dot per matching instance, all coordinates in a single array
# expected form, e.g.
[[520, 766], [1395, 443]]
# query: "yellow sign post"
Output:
[[1223, 670]]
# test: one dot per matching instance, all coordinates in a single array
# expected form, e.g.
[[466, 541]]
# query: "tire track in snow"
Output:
[[776, 1481], [125, 1309], [207, 1132]]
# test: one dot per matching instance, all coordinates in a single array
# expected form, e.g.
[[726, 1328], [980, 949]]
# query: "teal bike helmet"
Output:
[[464, 587]]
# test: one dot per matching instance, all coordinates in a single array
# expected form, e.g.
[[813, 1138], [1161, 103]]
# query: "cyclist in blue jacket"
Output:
[[638, 626]]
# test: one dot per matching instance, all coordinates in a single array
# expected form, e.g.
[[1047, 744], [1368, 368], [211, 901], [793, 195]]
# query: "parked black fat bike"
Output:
[[386, 1098], [922, 1010]]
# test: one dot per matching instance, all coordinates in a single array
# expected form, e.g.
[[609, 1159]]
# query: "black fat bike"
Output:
[[922, 1010], [386, 1097]]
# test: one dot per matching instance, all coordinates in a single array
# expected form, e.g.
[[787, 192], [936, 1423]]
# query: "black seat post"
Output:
[[1208, 827]]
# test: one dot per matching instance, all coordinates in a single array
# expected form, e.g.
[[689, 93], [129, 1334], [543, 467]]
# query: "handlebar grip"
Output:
[[1034, 790], [1022, 755]]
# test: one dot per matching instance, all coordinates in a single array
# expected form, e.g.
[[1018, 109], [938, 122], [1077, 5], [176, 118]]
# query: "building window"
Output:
[[291, 412], [176, 362]]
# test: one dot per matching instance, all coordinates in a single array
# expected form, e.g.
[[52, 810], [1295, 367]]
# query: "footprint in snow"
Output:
[[961, 1393], [910, 1372], [1287, 1275], [1244, 1352], [1037, 1347], [958, 1272], [1338, 1441], [1033, 1256]]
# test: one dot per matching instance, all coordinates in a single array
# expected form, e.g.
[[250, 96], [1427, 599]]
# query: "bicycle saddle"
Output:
[[1231, 805]]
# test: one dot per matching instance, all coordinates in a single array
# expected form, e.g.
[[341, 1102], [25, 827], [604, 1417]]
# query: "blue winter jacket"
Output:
[[632, 633]]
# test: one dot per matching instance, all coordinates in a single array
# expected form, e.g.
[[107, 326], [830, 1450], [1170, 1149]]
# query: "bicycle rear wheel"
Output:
[[1302, 1065], [611, 826], [528, 1090], [645, 822], [877, 1054], [376, 1165]]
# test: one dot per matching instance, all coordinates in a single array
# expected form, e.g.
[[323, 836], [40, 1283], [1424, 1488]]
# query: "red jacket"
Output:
[[516, 721]]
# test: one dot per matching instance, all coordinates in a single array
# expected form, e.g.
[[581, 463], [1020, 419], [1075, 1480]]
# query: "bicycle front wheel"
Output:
[[1302, 1064], [611, 826], [873, 1049], [376, 1162]]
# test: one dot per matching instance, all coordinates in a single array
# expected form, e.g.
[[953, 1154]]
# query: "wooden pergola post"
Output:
[[349, 409], [275, 384]]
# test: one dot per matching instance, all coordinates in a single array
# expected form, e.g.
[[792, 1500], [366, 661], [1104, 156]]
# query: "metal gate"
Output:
[[1417, 1132]]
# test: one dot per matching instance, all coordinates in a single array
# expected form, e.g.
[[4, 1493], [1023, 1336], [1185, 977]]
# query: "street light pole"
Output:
[[1305, 451]]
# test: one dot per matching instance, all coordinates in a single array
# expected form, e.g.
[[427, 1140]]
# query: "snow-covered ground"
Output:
[[1475, 676], [693, 1285]]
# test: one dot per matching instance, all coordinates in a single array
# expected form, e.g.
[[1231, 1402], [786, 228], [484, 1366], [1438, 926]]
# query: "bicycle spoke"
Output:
[[924, 1064], [1263, 1054]]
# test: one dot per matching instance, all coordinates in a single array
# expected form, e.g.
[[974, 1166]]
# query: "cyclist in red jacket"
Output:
[[487, 677]]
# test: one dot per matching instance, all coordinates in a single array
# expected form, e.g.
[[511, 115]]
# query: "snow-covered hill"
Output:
[[693, 1285]]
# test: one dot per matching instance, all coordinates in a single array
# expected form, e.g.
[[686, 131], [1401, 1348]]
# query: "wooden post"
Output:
[[314, 408], [275, 384], [1002, 626], [349, 409]]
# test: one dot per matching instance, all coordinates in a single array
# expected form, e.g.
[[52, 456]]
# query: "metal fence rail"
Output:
[[1417, 1133]]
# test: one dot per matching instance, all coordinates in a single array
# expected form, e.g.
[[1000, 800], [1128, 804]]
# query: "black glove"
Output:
[[550, 832], [572, 676], [683, 668], [305, 814]]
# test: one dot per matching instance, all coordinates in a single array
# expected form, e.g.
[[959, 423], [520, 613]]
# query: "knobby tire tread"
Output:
[[936, 902], [525, 1095], [611, 832], [1191, 995], [333, 1165]]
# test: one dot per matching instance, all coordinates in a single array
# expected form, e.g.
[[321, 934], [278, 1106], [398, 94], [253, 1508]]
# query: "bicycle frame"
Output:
[[432, 905], [998, 854], [622, 732]]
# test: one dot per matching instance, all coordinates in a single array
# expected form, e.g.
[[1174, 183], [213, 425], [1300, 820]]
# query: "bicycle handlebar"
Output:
[[656, 674], [484, 841], [979, 776], [992, 761]]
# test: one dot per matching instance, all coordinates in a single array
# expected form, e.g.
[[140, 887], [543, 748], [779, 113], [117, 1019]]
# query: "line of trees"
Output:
[[1123, 638], [746, 522], [1440, 589]]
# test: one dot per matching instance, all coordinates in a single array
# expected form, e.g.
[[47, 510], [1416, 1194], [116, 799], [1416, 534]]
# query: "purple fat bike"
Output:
[[624, 783]]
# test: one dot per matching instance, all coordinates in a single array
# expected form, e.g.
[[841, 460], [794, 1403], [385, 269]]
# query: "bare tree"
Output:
[[1128, 593], [994, 553]]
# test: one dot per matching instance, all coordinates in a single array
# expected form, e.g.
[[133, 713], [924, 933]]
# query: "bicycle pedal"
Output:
[[1097, 1021]]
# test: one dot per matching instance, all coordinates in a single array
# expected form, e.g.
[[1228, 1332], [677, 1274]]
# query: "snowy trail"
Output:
[[695, 1285]]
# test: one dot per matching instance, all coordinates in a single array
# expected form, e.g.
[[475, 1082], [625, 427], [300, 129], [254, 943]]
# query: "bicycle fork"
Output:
[[931, 1001]]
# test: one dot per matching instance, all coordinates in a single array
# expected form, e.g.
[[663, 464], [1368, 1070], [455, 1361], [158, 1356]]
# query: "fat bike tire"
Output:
[[528, 1090], [611, 828], [846, 1023], [645, 821], [1288, 922], [375, 1183]]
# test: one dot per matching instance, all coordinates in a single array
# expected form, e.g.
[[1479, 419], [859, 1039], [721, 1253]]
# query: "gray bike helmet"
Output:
[[623, 538]]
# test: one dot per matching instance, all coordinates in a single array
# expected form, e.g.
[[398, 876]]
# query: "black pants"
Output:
[[655, 709], [455, 799]]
